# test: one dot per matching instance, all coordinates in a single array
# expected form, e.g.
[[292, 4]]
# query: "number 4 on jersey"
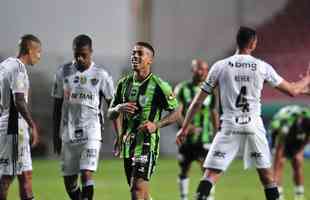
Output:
[[242, 101]]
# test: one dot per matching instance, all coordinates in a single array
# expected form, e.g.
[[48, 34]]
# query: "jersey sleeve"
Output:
[[271, 76], [178, 92], [168, 100], [107, 86], [19, 81], [58, 89], [117, 98], [212, 79]]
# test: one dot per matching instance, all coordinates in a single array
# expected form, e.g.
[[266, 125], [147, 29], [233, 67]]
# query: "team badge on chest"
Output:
[[94, 81], [83, 80], [143, 100]]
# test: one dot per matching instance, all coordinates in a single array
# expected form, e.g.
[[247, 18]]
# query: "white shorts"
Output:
[[77, 157], [248, 141], [8, 164]]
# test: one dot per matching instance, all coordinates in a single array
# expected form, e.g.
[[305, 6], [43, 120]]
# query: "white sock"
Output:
[[183, 185], [211, 195], [299, 191], [281, 192]]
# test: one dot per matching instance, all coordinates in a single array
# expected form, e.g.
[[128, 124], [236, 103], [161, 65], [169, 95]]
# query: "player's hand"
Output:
[[129, 107], [148, 127], [34, 135], [181, 136], [117, 147], [57, 144]]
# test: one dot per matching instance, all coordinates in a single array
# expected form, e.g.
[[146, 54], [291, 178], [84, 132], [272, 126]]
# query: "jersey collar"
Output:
[[91, 65]]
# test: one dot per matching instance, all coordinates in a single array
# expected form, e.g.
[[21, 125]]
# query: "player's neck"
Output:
[[141, 75], [196, 82], [244, 51], [24, 59], [83, 68]]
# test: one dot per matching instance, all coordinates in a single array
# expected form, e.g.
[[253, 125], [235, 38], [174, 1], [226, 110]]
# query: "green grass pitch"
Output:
[[236, 184]]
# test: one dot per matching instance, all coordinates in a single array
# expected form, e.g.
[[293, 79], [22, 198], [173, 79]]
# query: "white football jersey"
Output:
[[240, 79], [81, 93], [13, 79]]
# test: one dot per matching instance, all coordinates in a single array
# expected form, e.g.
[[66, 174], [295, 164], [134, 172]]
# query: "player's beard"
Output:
[[198, 79]]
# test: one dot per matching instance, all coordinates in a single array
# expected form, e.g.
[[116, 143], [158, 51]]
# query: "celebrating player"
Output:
[[140, 99]]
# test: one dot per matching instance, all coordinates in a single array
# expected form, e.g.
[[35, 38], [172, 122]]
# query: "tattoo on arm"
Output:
[[169, 118], [23, 109]]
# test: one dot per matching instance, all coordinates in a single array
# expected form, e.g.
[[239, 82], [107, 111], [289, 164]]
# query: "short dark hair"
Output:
[[82, 41], [25, 41], [244, 36], [146, 45]]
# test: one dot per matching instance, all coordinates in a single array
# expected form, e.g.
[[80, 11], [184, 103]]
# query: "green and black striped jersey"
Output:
[[284, 125], [152, 96], [185, 92]]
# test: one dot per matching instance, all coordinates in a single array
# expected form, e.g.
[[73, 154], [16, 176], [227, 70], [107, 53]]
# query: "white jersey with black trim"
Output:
[[81, 93], [240, 79], [13, 79]]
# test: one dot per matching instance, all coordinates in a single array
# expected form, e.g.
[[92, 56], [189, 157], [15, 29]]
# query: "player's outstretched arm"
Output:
[[296, 88], [56, 125], [23, 109], [194, 107]]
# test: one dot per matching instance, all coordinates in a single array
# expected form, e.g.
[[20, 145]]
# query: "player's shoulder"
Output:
[[65, 68], [262, 65], [12, 63], [125, 79], [163, 85], [158, 80], [101, 70], [182, 84]]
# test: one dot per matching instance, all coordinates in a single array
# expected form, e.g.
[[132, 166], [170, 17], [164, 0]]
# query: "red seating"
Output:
[[284, 42]]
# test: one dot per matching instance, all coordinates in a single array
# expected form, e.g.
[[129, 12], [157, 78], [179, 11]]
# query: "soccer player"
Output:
[[290, 128], [140, 99], [78, 89], [16, 119], [196, 146], [240, 80]]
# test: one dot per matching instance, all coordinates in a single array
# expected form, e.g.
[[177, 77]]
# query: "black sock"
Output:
[[87, 192], [272, 193], [75, 194], [203, 190]]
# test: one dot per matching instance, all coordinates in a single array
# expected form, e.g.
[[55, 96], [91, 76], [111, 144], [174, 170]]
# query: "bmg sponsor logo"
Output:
[[250, 66]]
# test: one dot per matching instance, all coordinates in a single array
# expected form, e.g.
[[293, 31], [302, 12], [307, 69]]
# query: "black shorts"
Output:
[[291, 149], [140, 167], [191, 152]]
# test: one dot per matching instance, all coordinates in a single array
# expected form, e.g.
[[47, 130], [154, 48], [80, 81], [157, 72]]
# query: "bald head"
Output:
[[200, 70]]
